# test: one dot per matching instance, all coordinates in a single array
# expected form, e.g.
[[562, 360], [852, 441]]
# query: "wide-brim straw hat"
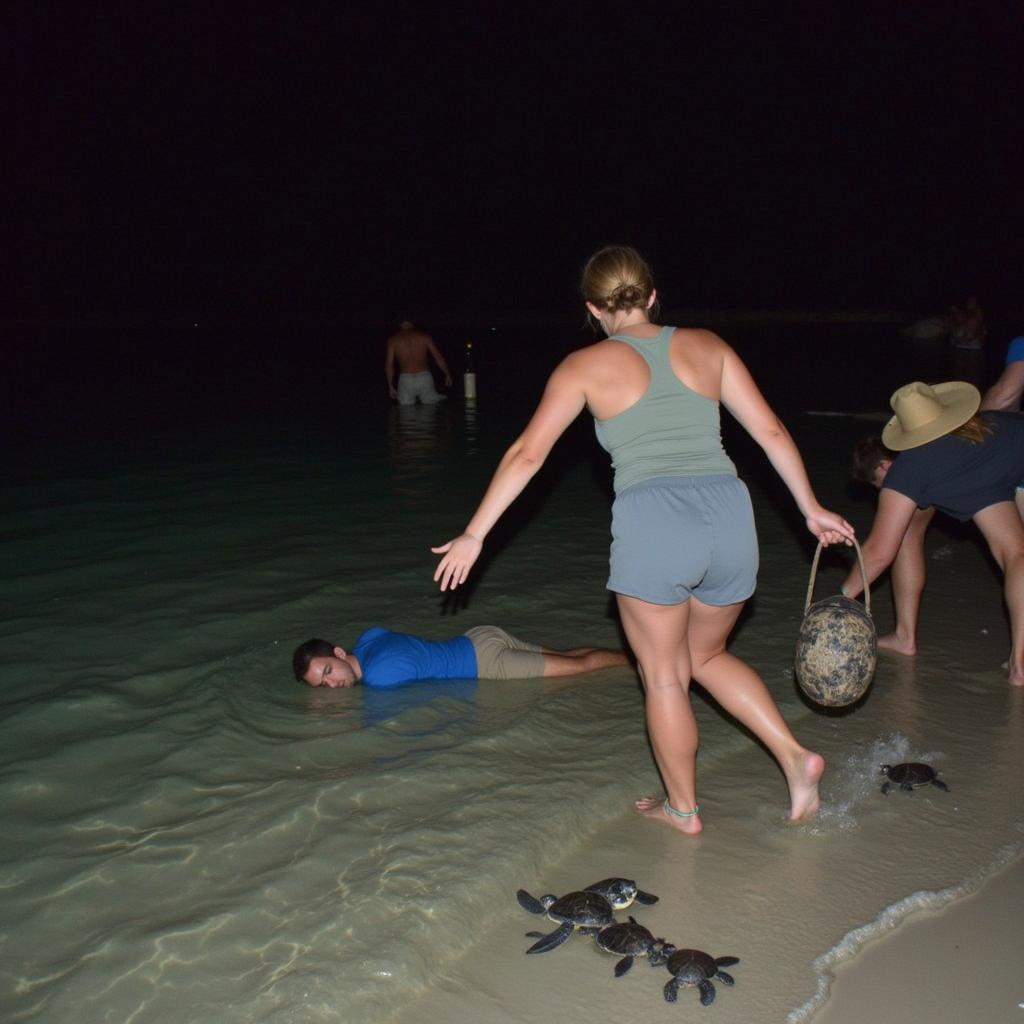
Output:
[[927, 411]]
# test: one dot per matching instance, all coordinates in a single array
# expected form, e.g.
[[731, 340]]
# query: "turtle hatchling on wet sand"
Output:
[[587, 912], [621, 892], [629, 940], [693, 968], [909, 775]]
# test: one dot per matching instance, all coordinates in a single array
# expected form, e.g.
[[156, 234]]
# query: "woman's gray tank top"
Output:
[[670, 431]]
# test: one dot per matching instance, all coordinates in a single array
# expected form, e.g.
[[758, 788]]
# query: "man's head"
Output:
[[319, 663], [871, 461]]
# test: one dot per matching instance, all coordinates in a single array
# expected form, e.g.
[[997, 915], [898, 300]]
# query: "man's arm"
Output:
[[439, 359], [389, 369], [1006, 392]]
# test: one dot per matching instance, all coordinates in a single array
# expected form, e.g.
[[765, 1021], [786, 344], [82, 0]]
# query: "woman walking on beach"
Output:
[[684, 549]]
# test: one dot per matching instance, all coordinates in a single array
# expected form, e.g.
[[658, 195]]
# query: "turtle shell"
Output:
[[836, 651], [911, 773], [691, 966], [626, 938], [582, 909]]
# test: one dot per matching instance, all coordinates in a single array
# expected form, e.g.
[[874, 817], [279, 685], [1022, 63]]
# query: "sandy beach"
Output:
[[194, 837], [958, 962], [880, 895]]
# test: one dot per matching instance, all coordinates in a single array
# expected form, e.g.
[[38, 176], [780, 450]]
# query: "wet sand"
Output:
[[879, 893], [958, 963]]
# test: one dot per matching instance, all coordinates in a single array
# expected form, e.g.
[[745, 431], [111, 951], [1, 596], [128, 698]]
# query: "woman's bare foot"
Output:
[[803, 781], [897, 643], [1016, 678], [653, 807]]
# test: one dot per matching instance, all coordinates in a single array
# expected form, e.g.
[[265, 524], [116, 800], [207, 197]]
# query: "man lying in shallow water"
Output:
[[383, 658]]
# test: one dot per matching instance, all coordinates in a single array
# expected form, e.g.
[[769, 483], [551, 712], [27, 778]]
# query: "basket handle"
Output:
[[863, 576]]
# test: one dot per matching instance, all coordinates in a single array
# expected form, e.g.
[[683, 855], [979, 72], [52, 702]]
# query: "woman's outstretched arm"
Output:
[[562, 402], [742, 397]]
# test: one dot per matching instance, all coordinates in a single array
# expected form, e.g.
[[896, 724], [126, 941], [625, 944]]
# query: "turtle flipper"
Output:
[[535, 935], [623, 966], [707, 993], [530, 903], [907, 786], [671, 990], [726, 961], [941, 785], [727, 979], [552, 940], [886, 786], [645, 898]]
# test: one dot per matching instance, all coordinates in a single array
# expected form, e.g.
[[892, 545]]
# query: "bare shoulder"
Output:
[[597, 358], [702, 338]]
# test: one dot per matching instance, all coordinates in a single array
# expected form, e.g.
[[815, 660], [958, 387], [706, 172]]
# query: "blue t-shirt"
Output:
[[961, 478], [1015, 351], [390, 659]]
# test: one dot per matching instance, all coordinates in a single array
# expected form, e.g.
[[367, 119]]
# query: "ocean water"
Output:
[[192, 836]]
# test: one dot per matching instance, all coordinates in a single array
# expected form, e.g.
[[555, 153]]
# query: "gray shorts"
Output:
[[500, 655], [674, 536]]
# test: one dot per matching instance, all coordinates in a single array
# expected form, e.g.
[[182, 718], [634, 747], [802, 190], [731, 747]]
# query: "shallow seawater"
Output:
[[192, 836]]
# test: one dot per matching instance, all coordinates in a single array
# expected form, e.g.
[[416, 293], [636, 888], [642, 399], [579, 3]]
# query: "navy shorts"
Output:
[[674, 536]]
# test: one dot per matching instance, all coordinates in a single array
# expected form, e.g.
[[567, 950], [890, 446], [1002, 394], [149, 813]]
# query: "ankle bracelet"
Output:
[[669, 809]]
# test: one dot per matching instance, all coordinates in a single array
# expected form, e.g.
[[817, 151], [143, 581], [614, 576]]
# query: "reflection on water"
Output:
[[470, 421], [969, 365], [418, 438], [382, 705]]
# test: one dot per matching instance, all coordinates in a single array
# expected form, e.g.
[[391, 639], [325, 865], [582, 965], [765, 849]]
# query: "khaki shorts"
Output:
[[499, 655]]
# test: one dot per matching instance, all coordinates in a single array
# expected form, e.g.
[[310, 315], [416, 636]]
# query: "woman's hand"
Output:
[[459, 556], [829, 528]]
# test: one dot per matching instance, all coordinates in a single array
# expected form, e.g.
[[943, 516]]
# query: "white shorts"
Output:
[[417, 385]]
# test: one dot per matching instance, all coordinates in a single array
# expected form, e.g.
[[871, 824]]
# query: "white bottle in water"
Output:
[[469, 377]]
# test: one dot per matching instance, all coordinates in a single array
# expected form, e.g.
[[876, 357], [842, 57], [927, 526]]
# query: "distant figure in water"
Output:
[[940, 452], [382, 658], [967, 326], [409, 350], [684, 552]]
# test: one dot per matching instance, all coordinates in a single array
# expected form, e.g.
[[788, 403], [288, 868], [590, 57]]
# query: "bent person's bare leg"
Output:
[[1001, 526], [909, 571]]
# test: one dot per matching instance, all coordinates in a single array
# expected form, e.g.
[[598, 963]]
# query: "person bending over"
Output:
[[939, 453], [383, 658]]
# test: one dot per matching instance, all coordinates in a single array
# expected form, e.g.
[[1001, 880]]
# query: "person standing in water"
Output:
[[684, 549], [409, 350]]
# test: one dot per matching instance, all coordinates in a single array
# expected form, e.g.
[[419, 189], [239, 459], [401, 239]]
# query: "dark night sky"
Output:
[[314, 161]]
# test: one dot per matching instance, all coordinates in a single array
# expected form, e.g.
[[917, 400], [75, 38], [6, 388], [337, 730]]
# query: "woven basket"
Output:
[[837, 647]]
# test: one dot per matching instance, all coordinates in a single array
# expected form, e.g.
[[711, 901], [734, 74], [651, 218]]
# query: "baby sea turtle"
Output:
[[692, 967], [629, 940], [909, 775], [621, 892], [587, 912]]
